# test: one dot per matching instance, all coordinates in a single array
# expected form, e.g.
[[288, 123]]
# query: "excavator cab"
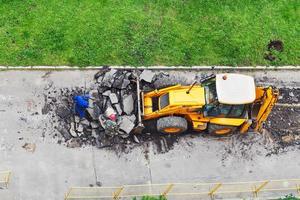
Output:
[[220, 104]]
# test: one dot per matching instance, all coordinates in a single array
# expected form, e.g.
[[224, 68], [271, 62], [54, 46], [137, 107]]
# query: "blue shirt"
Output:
[[81, 104]]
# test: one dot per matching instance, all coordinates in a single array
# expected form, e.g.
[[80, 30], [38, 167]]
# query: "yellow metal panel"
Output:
[[227, 121], [195, 117], [163, 112], [147, 105], [156, 93], [199, 125], [268, 101], [193, 98], [259, 91], [245, 126]]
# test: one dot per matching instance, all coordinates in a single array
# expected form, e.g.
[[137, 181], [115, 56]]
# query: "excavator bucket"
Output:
[[265, 101]]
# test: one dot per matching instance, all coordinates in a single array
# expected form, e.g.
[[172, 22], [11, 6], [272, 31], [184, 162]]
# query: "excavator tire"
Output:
[[172, 125], [220, 130]]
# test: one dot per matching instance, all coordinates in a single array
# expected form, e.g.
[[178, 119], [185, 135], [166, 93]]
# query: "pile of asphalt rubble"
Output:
[[112, 89], [116, 89]]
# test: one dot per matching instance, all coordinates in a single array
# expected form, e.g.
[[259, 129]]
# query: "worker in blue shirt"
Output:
[[81, 104]]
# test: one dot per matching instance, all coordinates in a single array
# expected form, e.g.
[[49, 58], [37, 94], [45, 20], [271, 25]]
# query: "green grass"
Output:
[[143, 32], [289, 197]]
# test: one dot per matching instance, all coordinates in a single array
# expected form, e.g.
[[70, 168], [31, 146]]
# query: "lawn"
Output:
[[143, 32]]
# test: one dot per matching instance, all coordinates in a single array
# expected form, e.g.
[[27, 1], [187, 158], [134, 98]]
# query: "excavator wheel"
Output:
[[172, 125], [220, 130]]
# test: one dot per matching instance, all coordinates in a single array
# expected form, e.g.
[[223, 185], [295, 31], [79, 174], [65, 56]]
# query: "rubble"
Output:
[[77, 119], [112, 89], [136, 139], [125, 83], [118, 109], [106, 93], [85, 122], [126, 124], [46, 109], [64, 132], [79, 128], [108, 78], [63, 112], [92, 113], [147, 76], [132, 118], [128, 104], [73, 143], [94, 125], [72, 130], [113, 98]]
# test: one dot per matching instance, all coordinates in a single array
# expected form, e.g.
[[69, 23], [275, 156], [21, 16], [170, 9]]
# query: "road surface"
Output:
[[52, 168]]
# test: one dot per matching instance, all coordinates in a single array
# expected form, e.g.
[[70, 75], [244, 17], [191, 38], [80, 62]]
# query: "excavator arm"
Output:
[[264, 102]]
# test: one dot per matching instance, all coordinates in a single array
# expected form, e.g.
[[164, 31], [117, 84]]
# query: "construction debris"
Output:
[[73, 143], [136, 139], [147, 76], [113, 90], [128, 104], [113, 98], [126, 124]]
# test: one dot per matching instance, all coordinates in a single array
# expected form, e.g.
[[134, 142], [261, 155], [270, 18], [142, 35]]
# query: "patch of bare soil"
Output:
[[276, 45], [289, 95], [273, 45], [284, 124]]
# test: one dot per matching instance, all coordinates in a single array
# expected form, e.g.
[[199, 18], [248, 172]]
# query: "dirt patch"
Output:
[[273, 45], [284, 121], [289, 95], [276, 45]]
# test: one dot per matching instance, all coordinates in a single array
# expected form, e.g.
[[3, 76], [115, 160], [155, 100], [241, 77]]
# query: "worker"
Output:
[[109, 122], [81, 104]]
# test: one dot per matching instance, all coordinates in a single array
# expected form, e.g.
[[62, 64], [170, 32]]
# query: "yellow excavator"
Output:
[[220, 104]]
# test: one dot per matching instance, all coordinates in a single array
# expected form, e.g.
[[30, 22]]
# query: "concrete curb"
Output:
[[151, 67]]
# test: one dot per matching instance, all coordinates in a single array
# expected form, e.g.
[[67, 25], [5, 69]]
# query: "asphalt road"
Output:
[[52, 168]]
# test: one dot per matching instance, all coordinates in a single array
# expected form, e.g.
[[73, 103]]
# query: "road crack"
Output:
[[94, 166]]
